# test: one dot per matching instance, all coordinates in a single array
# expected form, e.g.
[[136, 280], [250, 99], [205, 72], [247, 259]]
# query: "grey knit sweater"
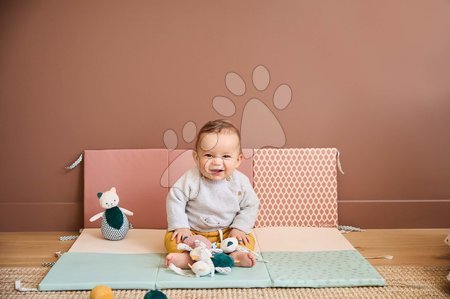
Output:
[[204, 205]]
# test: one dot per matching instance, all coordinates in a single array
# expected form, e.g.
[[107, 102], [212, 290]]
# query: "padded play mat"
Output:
[[293, 257], [295, 232]]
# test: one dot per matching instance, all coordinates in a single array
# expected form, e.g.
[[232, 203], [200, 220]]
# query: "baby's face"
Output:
[[218, 155]]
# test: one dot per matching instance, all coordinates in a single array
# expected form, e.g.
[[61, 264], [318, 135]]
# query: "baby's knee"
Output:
[[169, 244]]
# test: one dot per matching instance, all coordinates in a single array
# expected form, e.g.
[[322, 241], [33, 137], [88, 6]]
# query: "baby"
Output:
[[213, 197]]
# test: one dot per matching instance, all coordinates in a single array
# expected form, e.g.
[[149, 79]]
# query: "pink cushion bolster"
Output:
[[142, 179]]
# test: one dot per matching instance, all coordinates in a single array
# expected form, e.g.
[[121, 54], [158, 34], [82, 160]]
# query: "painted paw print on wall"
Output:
[[184, 160], [189, 133], [259, 126]]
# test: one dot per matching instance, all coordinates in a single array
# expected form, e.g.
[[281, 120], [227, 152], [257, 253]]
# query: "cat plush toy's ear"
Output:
[[113, 189], [99, 194]]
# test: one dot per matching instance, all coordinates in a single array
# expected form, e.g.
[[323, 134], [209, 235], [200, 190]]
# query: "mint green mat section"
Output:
[[344, 268], [83, 271], [239, 277]]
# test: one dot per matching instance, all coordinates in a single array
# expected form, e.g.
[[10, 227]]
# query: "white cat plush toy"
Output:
[[115, 223]]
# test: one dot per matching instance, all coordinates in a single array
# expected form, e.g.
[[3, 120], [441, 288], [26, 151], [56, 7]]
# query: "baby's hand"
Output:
[[239, 235], [180, 233]]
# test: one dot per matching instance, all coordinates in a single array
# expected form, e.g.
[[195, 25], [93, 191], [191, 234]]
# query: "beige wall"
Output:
[[371, 78]]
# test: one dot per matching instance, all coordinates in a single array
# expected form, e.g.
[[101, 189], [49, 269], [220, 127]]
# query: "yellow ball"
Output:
[[102, 292]]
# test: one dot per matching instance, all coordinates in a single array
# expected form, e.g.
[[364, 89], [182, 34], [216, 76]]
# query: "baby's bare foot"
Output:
[[181, 260], [243, 259]]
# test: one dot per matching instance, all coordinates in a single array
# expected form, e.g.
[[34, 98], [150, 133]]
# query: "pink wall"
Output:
[[371, 78]]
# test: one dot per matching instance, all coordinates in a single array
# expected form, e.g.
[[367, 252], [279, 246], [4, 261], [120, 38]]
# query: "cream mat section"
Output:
[[301, 239], [137, 241]]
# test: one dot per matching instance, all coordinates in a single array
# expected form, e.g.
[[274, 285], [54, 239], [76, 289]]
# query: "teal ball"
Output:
[[155, 294]]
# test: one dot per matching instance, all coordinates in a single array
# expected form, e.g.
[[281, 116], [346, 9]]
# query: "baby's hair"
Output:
[[217, 126]]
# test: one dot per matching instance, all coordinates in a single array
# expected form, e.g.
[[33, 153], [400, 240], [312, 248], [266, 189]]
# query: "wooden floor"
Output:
[[408, 246]]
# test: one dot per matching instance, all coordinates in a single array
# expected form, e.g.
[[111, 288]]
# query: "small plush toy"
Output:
[[229, 245], [115, 223], [202, 256], [190, 241], [222, 260]]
